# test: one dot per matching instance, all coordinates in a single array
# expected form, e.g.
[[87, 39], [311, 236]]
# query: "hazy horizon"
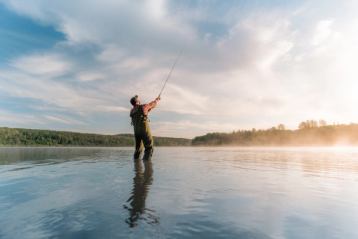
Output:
[[73, 66]]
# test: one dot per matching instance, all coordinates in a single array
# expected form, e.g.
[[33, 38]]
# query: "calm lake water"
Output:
[[249, 193]]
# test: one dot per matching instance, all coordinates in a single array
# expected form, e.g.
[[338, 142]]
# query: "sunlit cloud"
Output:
[[63, 120], [42, 65], [241, 67], [90, 76]]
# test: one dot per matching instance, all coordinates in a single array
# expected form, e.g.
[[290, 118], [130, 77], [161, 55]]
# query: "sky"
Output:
[[74, 65]]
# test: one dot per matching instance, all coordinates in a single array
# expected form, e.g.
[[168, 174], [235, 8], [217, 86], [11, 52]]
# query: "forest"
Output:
[[309, 133], [35, 137]]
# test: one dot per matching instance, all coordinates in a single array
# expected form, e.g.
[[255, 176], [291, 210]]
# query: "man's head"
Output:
[[135, 100]]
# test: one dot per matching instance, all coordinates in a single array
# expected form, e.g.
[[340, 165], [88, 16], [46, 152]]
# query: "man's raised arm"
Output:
[[148, 107]]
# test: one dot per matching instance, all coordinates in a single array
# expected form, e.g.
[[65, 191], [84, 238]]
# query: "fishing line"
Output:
[[170, 72]]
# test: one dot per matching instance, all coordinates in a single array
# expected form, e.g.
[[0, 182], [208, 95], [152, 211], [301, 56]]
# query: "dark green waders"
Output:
[[142, 133]]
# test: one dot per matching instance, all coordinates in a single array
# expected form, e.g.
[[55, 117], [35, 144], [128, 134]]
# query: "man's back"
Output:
[[139, 115], [139, 120]]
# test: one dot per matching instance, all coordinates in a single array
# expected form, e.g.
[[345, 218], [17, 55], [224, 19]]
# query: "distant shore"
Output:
[[52, 138], [308, 134]]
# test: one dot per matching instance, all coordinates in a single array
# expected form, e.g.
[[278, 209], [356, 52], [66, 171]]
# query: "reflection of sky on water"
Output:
[[183, 193]]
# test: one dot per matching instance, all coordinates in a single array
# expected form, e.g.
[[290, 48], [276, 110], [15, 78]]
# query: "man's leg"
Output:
[[148, 145], [138, 146]]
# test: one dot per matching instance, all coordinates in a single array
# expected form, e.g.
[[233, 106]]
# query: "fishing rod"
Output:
[[170, 73]]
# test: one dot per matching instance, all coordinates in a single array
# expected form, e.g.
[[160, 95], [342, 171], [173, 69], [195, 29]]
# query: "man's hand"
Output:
[[158, 98]]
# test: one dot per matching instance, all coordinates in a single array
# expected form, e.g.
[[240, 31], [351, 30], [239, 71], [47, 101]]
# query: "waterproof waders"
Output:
[[141, 132]]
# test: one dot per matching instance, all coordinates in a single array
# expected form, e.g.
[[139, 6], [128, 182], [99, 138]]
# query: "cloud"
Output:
[[90, 76], [16, 119], [261, 67], [322, 32], [42, 65], [186, 128], [183, 100], [55, 92], [132, 24], [63, 120], [109, 108]]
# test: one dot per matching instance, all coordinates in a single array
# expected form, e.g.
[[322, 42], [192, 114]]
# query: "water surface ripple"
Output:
[[181, 193]]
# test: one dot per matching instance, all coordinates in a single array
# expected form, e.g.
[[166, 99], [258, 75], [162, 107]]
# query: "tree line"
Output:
[[34, 137], [310, 132]]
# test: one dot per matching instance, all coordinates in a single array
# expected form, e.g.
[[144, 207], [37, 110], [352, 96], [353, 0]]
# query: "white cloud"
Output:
[[265, 68], [133, 63], [42, 65], [180, 100], [56, 93], [15, 119], [62, 120], [322, 32], [187, 128], [110, 108], [111, 54], [132, 24], [90, 76]]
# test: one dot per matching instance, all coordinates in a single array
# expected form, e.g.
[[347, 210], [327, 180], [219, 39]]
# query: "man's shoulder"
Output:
[[133, 110], [136, 108]]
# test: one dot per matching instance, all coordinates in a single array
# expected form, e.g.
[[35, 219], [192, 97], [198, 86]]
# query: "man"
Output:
[[139, 115]]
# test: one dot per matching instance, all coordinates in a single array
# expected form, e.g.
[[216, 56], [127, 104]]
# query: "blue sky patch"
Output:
[[20, 35]]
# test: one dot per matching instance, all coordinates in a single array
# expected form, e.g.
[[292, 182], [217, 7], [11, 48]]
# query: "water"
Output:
[[181, 193]]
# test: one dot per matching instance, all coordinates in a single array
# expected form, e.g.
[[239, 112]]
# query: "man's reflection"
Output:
[[141, 185]]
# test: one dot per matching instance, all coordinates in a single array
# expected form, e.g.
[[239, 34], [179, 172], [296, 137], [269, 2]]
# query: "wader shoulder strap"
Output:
[[137, 115]]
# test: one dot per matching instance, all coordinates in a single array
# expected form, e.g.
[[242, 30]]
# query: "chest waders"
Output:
[[142, 132]]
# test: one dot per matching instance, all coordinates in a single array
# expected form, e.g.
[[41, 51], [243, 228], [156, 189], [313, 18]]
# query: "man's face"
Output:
[[138, 101]]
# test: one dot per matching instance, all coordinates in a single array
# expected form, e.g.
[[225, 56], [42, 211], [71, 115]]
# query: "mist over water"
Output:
[[181, 193]]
